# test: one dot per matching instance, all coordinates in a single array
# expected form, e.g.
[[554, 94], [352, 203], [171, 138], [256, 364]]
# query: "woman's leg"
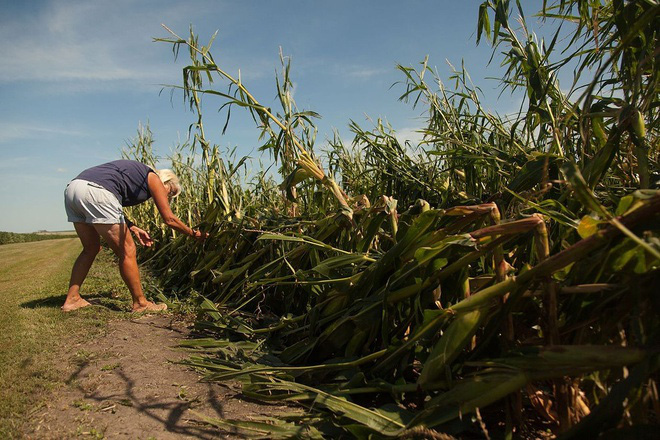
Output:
[[91, 245], [120, 241]]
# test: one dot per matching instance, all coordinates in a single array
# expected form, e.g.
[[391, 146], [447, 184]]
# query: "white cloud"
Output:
[[82, 41], [362, 72], [344, 69], [81, 46], [336, 66], [10, 132], [10, 163], [410, 135]]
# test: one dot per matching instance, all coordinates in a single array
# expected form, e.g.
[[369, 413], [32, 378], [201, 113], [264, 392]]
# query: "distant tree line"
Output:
[[13, 237]]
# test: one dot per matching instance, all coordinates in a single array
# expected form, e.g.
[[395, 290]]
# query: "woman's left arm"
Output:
[[141, 235]]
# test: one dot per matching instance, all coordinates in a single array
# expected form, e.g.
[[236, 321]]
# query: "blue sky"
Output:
[[77, 77]]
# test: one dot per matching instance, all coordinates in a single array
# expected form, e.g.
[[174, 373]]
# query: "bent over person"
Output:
[[94, 203]]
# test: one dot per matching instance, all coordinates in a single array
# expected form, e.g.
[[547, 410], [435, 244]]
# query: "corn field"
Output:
[[496, 280]]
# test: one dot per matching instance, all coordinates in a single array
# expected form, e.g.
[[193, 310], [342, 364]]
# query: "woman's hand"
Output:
[[199, 235], [142, 236]]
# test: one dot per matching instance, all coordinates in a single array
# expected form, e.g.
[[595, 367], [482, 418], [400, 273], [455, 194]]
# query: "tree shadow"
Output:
[[104, 299], [172, 414]]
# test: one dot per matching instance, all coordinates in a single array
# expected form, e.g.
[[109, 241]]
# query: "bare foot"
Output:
[[149, 307], [70, 305]]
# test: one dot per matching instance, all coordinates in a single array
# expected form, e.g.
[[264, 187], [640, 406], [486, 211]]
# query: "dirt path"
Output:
[[124, 386]]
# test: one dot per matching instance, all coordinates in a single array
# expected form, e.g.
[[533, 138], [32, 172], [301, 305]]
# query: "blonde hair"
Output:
[[168, 177]]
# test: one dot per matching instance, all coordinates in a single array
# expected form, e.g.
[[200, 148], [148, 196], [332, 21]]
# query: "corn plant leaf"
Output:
[[424, 254], [431, 322], [531, 173], [270, 428], [467, 395], [372, 227], [629, 203], [541, 363], [396, 413], [453, 340], [625, 204], [208, 307], [384, 424], [581, 190], [304, 240], [483, 24], [629, 256], [327, 266], [551, 208], [561, 360]]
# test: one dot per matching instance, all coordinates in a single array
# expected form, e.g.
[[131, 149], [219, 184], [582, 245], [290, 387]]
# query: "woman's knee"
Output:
[[91, 250]]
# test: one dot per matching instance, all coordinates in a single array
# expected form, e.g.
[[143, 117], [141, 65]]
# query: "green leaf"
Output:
[[581, 190], [424, 254], [301, 239], [395, 412], [542, 363], [483, 23], [467, 395], [629, 256], [269, 428], [453, 340], [208, 307], [385, 424], [624, 204], [327, 266]]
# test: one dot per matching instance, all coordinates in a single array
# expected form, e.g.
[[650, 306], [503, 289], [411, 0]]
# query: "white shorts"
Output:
[[88, 202]]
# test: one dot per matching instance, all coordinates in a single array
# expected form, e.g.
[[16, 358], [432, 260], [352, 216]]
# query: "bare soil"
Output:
[[126, 384]]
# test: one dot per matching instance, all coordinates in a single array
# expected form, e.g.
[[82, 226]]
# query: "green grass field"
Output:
[[34, 332]]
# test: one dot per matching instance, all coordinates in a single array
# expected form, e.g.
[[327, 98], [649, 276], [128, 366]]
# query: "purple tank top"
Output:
[[127, 179]]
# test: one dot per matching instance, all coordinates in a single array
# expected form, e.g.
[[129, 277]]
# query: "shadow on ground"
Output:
[[103, 299], [130, 384], [162, 410]]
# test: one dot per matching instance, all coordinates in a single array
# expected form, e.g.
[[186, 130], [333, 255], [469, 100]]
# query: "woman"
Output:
[[94, 202]]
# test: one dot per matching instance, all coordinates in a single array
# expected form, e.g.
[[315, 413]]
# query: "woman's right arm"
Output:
[[159, 194]]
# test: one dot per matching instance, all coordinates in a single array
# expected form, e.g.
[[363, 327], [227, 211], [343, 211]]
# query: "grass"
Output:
[[33, 331]]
